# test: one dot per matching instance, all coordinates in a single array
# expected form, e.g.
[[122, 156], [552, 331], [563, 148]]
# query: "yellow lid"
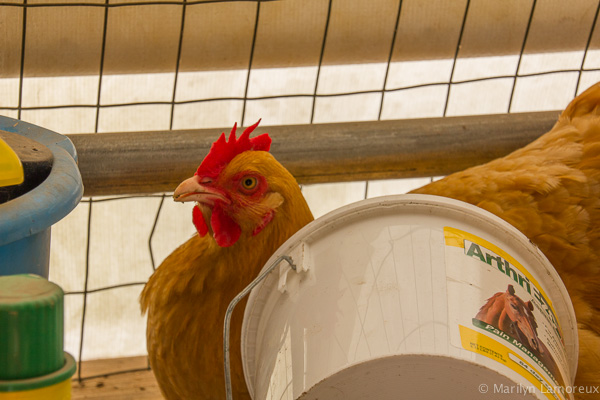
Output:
[[11, 169]]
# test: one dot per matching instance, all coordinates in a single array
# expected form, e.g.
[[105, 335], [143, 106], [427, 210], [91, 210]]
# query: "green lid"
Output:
[[31, 327], [19, 385]]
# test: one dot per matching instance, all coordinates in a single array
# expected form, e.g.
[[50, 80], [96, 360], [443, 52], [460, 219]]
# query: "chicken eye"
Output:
[[249, 183]]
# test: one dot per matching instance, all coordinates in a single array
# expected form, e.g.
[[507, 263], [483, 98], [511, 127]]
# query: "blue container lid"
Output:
[[53, 199]]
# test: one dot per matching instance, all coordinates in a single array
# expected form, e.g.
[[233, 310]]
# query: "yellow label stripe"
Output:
[[481, 344]]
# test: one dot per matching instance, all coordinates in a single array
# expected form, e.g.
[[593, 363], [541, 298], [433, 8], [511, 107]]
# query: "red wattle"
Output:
[[225, 229], [198, 220]]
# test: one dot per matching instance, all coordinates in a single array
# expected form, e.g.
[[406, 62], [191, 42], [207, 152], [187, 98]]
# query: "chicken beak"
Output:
[[192, 190]]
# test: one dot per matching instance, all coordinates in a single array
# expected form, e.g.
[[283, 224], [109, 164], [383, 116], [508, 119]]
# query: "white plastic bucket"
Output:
[[387, 302]]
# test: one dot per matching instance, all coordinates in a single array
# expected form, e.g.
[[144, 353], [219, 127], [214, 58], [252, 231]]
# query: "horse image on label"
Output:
[[510, 314]]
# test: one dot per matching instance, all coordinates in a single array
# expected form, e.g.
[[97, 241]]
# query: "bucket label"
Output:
[[498, 309]]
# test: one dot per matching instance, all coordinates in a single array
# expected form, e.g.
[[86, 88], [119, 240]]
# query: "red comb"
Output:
[[222, 151]]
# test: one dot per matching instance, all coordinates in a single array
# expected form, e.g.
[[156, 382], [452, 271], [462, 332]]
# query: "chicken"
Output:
[[550, 191], [247, 206]]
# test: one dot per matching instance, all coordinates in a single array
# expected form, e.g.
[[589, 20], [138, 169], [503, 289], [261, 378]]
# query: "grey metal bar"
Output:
[[156, 161]]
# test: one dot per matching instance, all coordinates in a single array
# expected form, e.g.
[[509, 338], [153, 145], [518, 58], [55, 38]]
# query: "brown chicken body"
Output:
[[550, 191], [186, 298]]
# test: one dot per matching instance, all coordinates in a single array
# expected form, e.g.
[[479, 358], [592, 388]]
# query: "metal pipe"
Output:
[[156, 161]]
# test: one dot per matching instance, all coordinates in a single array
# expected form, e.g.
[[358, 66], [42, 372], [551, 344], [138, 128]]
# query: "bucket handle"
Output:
[[234, 302]]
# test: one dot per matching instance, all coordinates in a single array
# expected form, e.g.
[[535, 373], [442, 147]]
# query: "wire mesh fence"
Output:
[[386, 87], [576, 70]]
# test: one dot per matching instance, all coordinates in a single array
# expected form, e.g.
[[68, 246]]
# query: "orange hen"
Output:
[[550, 191], [250, 204]]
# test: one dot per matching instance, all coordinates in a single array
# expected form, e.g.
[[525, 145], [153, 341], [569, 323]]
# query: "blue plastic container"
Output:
[[25, 222]]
